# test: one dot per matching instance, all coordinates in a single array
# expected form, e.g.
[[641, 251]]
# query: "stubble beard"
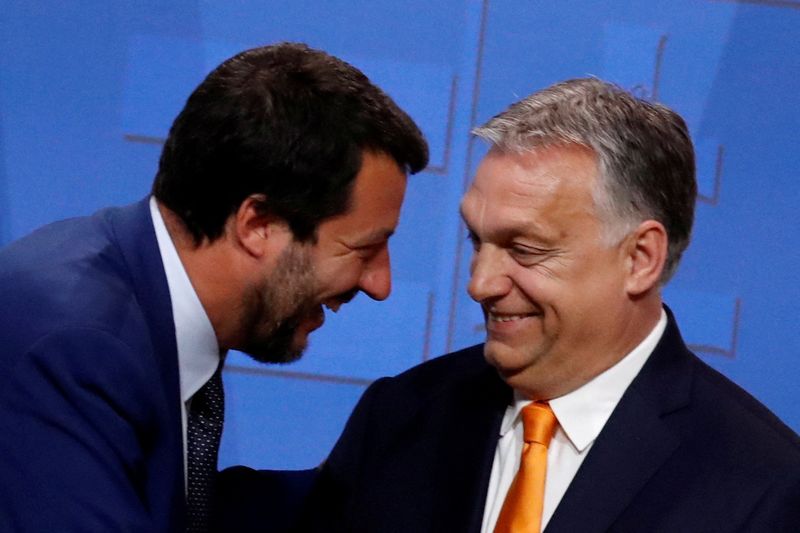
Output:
[[277, 308]]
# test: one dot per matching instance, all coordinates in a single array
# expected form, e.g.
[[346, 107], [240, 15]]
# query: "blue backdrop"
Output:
[[88, 90]]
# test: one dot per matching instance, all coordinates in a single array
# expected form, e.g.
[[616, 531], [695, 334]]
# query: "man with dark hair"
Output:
[[277, 191], [584, 411]]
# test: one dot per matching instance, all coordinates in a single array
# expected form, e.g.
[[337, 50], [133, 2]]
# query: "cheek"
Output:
[[534, 284], [602, 283], [342, 276]]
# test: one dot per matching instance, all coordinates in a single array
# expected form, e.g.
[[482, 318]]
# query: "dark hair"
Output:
[[645, 154], [286, 122]]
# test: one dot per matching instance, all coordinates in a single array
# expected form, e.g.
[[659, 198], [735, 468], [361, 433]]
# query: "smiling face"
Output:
[[350, 255], [553, 292]]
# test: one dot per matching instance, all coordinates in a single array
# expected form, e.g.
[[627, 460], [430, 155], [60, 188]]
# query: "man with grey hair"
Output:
[[584, 411]]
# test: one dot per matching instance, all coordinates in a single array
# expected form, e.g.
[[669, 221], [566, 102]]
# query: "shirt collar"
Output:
[[198, 351], [583, 412]]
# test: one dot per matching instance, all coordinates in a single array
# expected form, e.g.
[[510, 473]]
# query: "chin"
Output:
[[501, 356], [297, 349], [509, 361], [276, 350], [274, 356]]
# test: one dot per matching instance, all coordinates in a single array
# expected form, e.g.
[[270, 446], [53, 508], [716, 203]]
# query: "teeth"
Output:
[[507, 318]]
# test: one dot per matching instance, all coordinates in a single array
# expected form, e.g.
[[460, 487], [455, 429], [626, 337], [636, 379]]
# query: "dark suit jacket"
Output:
[[685, 450], [90, 423], [260, 500]]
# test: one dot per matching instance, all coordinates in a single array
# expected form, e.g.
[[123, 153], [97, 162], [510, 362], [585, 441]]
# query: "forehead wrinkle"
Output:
[[545, 196], [481, 218], [538, 209], [526, 197]]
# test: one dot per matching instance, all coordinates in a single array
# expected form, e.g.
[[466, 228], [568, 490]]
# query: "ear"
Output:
[[646, 255], [258, 233]]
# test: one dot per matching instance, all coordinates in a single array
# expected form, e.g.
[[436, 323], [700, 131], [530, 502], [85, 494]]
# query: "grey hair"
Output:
[[645, 155]]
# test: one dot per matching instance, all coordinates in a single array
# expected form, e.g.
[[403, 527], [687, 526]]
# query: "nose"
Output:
[[488, 280], [376, 279]]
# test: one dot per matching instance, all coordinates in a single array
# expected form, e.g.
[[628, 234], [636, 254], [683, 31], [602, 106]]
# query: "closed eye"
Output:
[[370, 250], [530, 255]]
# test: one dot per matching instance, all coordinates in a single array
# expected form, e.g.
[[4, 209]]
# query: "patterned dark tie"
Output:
[[204, 429]]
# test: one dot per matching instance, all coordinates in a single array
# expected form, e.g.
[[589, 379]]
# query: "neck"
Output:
[[639, 322], [210, 269]]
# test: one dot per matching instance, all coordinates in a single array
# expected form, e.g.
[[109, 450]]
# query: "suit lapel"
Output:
[[134, 233], [136, 237], [467, 450], [633, 444], [630, 449]]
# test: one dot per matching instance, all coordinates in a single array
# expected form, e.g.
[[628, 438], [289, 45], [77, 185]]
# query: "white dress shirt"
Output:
[[581, 416], [198, 351]]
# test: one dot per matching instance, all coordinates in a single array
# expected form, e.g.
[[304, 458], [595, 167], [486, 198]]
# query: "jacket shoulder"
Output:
[[70, 274], [441, 373], [747, 422]]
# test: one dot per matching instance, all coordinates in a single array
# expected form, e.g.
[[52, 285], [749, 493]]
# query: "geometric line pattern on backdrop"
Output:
[[662, 44], [729, 350], [633, 58], [444, 168], [631, 53], [641, 90], [426, 347], [455, 288], [143, 139], [305, 376], [704, 195], [710, 321]]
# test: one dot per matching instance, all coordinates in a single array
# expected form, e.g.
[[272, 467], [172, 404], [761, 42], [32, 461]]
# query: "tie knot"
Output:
[[538, 423]]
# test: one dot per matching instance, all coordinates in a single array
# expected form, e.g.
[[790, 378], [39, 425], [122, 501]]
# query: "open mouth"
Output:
[[316, 316], [332, 306]]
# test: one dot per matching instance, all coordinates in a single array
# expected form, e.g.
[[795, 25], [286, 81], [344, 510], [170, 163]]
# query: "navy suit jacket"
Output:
[[685, 450], [90, 421]]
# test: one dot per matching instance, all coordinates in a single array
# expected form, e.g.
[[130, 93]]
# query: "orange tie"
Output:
[[522, 509]]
